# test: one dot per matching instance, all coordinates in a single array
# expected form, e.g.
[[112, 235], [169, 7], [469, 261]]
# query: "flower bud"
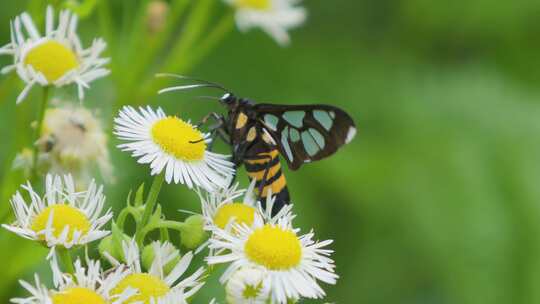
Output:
[[248, 285], [148, 255], [156, 16], [112, 245], [193, 234], [107, 247]]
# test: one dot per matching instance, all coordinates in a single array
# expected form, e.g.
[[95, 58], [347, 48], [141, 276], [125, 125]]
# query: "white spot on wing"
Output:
[[295, 118], [252, 133], [285, 144], [350, 135], [267, 137], [271, 121]]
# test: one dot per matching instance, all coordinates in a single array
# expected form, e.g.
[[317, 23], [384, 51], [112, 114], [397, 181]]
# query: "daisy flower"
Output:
[[56, 58], [171, 144], [222, 208], [156, 286], [293, 264], [87, 285], [73, 140], [275, 17], [248, 285], [63, 216]]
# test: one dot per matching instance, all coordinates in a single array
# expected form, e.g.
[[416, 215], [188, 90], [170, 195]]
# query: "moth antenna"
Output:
[[208, 97], [188, 87], [206, 82]]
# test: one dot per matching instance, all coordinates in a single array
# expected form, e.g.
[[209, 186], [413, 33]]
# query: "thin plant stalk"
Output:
[[150, 204], [37, 132], [65, 260], [195, 26]]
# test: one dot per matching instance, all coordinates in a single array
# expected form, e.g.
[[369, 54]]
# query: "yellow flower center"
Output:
[[149, 286], [179, 138], [274, 248], [77, 295], [63, 216], [52, 59], [242, 214], [261, 5]]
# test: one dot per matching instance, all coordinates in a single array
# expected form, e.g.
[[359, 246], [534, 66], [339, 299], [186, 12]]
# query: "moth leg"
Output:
[[217, 117], [216, 130], [224, 136]]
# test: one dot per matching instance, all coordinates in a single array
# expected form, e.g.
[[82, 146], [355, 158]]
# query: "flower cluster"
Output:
[[267, 259], [87, 284]]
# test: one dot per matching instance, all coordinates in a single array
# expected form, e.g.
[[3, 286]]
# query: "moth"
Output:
[[259, 133]]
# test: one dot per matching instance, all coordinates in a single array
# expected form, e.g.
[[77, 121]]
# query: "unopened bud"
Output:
[[149, 254], [156, 16], [111, 246], [193, 235]]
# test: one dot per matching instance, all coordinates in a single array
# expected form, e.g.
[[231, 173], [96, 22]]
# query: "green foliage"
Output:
[[436, 200]]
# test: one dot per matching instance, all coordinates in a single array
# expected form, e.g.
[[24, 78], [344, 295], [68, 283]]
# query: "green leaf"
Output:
[[83, 9], [139, 196]]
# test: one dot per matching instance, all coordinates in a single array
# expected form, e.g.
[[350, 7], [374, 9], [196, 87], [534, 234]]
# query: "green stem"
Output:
[[105, 22], [65, 260], [164, 234], [37, 132], [123, 215], [151, 200], [195, 26], [162, 225], [108, 31], [149, 206]]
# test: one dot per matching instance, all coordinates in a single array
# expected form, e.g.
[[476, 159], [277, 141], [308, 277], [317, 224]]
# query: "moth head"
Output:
[[228, 99]]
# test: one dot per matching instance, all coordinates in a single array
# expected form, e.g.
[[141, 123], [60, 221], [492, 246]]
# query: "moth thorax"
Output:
[[252, 134], [241, 120]]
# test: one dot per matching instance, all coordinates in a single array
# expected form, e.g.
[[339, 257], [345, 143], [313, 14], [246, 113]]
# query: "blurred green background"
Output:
[[437, 199]]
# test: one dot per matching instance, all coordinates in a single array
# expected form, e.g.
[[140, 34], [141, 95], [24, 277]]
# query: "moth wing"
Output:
[[306, 133]]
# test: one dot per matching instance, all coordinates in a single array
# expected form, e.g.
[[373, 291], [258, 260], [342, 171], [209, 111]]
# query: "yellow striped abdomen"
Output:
[[269, 163]]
